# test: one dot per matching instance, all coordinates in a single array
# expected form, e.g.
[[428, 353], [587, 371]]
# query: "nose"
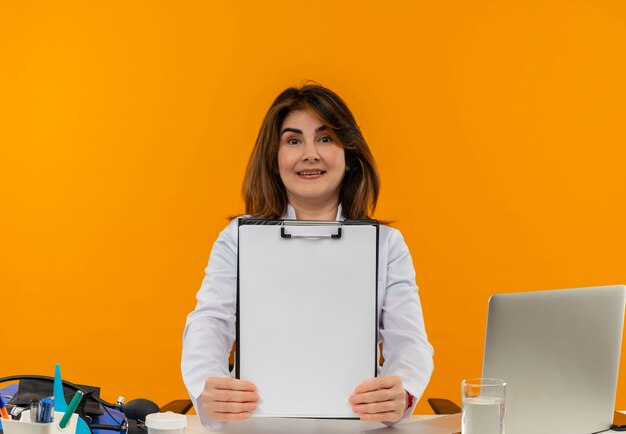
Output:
[[310, 152]]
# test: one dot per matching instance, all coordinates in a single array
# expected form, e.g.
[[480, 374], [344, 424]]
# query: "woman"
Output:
[[310, 162]]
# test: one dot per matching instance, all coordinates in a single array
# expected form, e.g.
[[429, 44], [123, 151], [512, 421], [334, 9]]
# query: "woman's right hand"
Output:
[[228, 399]]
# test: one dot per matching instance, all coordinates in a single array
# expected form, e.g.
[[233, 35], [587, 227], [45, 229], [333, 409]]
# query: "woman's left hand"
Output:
[[380, 399]]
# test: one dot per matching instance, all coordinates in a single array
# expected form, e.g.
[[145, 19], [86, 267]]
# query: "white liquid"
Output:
[[483, 415]]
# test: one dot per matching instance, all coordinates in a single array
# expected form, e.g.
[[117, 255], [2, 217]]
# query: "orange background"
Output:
[[125, 128]]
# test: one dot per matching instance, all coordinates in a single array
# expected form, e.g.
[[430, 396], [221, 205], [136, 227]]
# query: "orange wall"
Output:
[[125, 127]]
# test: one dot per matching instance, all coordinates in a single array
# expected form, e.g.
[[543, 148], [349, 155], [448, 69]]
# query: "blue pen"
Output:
[[46, 410]]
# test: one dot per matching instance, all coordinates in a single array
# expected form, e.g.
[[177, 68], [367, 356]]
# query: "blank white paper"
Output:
[[307, 317]]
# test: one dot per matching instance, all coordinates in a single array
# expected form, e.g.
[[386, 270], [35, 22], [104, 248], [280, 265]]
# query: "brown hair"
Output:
[[263, 190]]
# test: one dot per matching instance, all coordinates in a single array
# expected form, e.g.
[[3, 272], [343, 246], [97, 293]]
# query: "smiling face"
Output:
[[311, 162]]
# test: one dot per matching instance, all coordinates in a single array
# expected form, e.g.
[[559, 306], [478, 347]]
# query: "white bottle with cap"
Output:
[[166, 423]]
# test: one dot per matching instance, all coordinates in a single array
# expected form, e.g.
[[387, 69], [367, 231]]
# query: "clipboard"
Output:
[[307, 313]]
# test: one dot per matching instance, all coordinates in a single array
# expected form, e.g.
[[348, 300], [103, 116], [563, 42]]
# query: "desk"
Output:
[[413, 425], [325, 426]]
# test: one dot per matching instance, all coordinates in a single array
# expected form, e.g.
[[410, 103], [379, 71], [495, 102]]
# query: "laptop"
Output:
[[559, 353]]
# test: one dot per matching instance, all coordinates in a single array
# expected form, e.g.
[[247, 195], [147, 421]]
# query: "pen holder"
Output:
[[25, 426]]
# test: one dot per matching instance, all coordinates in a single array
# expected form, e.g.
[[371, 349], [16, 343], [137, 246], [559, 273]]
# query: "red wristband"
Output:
[[409, 400]]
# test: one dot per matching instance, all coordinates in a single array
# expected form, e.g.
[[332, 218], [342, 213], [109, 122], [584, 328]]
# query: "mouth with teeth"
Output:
[[309, 174]]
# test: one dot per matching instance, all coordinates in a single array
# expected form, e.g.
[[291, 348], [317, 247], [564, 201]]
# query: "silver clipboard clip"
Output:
[[286, 223]]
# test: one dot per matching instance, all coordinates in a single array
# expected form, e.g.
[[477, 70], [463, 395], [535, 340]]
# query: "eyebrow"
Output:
[[297, 131]]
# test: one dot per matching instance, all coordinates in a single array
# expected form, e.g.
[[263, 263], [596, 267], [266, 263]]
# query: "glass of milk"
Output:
[[483, 405]]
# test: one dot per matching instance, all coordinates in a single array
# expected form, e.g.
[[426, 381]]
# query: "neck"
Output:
[[327, 212]]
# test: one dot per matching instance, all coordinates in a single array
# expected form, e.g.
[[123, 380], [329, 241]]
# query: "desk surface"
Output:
[[325, 426], [414, 425]]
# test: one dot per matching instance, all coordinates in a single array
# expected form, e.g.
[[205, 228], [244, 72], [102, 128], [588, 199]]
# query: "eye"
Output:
[[292, 141], [326, 139]]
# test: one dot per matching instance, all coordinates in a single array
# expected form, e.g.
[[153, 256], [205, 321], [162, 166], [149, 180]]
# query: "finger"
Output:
[[377, 383], [381, 417], [222, 395], [375, 396], [229, 417], [378, 407], [234, 407], [368, 386], [231, 384]]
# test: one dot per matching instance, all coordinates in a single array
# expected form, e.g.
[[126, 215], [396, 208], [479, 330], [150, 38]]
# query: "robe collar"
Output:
[[291, 213]]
